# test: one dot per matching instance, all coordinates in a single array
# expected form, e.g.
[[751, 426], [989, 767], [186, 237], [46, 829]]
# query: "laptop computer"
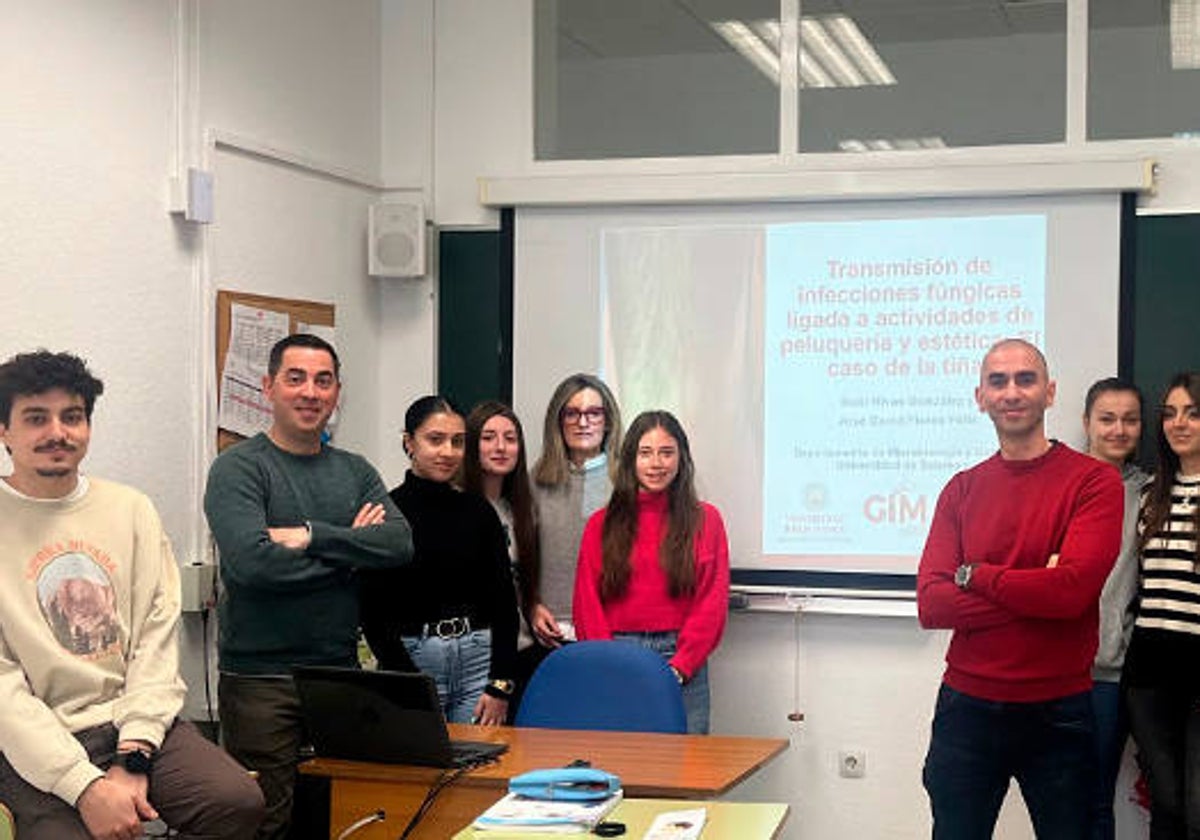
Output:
[[381, 716]]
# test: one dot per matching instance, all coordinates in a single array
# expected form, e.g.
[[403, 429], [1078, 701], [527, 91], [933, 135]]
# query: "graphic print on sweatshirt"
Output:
[[77, 599]]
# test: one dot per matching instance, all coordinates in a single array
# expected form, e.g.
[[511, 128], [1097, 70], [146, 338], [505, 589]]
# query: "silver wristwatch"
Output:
[[962, 575]]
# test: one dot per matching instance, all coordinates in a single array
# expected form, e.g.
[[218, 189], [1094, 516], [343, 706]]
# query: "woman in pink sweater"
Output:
[[654, 564]]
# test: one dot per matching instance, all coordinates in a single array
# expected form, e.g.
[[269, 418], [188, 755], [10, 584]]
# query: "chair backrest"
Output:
[[614, 685]]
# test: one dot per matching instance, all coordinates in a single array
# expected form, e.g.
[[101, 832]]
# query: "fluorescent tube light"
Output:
[[816, 40], [739, 36], [893, 144], [846, 32], [833, 51]]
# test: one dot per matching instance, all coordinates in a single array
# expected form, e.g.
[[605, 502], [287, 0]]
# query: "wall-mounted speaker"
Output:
[[396, 239]]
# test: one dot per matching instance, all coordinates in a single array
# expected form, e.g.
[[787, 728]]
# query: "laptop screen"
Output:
[[379, 716]]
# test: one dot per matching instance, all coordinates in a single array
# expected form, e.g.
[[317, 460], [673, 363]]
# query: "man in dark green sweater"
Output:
[[294, 519]]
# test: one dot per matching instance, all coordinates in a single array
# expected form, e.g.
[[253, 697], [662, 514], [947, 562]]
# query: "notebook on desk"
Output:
[[381, 716]]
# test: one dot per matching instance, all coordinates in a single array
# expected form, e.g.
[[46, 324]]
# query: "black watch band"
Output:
[[500, 689], [136, 761]]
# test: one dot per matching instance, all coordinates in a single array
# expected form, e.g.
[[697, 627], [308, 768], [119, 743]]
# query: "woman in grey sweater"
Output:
[[571, 480], [1112, 422]]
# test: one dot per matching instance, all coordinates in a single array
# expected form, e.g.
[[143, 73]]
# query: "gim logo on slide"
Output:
[[898, 508]]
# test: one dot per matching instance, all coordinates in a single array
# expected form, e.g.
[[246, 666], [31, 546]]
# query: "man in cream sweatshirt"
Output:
[[89, 608]]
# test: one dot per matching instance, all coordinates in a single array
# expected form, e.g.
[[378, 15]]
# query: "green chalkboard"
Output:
[[475, 314], [1166, 309]]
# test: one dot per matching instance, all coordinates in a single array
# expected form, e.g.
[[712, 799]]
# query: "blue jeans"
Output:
[[978, 745], [1166, 728], [459, 666], [1111, 731], [695, 690]]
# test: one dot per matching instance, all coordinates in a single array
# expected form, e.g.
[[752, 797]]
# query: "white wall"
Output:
[[89, 259], [408, 307], [92, 127]]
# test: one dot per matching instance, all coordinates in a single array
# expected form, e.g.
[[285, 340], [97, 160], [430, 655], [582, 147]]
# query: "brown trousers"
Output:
[[199, 791]]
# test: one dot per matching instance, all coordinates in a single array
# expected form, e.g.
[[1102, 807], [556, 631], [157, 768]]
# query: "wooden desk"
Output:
[[649, 765], [725, 820]]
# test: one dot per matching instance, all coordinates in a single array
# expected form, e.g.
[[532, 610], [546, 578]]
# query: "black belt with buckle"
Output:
[[448, 628]]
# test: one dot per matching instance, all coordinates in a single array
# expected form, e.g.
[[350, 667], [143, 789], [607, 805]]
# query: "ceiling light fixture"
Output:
[[903, 144], [833, 51], [739, 36]]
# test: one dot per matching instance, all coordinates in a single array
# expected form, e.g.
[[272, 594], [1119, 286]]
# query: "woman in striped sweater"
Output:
[[1162, 677]]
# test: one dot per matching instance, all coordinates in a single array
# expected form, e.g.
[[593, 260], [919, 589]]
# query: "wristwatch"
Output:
[[500, 689], [136, 761], [962, 575]]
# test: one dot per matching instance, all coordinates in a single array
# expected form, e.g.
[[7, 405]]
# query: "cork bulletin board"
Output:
[[298, 312]]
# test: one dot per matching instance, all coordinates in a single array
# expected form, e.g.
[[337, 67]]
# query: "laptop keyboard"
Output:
[[471, 752]]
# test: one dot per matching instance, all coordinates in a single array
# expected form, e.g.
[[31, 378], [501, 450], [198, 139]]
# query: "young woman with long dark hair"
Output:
[[654, 564], [494, 467], [1162, 680], [452, 610]]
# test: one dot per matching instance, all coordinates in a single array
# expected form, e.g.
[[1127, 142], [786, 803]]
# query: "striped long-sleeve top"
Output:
[[1166, 635]]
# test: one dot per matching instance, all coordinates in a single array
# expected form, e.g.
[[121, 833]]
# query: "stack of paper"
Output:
[[516, 813]]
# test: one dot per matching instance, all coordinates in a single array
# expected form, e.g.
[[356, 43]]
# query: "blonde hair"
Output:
[[551, 467]]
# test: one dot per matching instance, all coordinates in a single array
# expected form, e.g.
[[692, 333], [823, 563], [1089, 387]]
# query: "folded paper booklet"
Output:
[[516, 813], [677, 825]]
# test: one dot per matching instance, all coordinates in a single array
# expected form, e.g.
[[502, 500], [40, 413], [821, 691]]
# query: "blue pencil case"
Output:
[[571, 784]]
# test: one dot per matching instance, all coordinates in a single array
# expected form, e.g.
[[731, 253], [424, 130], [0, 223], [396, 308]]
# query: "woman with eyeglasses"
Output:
[[1112, 424], [654, 564], [452, 611], [572, 479], [1162, 677], [494, 468]]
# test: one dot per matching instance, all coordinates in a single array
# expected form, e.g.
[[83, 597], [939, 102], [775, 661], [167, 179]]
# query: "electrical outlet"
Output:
[[852, 764]]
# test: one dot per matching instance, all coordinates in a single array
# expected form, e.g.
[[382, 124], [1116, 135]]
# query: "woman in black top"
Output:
[[494, 468], [452, 610]]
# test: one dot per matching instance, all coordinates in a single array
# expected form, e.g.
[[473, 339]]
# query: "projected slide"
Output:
[[873, 335]]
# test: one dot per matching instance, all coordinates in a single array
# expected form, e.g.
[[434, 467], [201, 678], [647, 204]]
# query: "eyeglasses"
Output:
[[590, 416]]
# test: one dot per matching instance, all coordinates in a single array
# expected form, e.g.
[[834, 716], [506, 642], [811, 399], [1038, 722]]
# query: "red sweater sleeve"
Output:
[[940, 602], [587, 611], [1089, 549], [705, 623]]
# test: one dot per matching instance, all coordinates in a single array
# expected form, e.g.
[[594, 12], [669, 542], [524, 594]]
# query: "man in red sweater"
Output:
[[1018, 551]]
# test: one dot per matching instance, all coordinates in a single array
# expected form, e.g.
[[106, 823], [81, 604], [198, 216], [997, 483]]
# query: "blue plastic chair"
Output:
[[614, 685]]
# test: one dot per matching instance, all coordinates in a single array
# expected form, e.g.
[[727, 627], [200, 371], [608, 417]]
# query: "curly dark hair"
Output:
[[29, 374]]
